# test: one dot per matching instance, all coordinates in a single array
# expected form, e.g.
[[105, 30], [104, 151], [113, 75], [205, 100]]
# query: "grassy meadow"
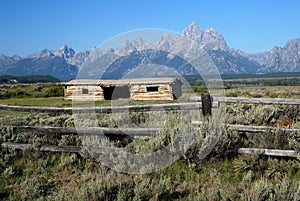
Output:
[[222, 175]]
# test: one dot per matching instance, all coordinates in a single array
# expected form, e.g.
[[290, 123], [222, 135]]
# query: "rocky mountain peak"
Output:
[[141, 44], [280, 59], [134, 45], [295, 41], [126, 48], [293, 46], [45, 53], [2, 57], [214, 40], [209, 39], [6, 61], [63, 47], [275, 50], [213, 33], [192, 28], [193, 31], [65, 51], [165, 42], [16, 57], [165, 36]]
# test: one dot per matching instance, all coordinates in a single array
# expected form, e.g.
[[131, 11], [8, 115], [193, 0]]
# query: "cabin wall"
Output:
[[154, 92], [83, 92], [97, 90]]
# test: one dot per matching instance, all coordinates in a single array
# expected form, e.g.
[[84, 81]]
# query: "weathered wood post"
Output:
[[206, 101]]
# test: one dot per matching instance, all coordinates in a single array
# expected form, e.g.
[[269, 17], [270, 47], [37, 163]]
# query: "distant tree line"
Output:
[[268, 75], [280, 79], [9, 79], [31, 90], [264, 82]]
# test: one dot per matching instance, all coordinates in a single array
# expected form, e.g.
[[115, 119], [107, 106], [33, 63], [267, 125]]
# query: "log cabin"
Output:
[[158, 88]]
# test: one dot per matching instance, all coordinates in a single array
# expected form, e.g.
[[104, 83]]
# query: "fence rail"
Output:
[[147, 132], [269, 152], [253, 129], [252, 100], [152, 107], [108, 109], [52, 148], [74, 149], [86, 131]]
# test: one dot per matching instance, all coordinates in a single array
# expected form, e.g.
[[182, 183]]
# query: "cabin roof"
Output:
[[122, 82]]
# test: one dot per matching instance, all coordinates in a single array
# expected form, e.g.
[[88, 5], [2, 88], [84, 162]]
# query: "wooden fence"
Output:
[[204, 103], [108, 109], [285, 101]]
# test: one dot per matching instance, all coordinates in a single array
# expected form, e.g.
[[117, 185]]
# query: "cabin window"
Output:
[[85, 91], [152, 89]]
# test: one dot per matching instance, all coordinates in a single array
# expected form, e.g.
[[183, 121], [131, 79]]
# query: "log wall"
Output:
[[139, 92], [73, 92]]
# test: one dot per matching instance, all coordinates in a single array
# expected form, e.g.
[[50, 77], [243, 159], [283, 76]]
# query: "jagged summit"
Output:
[[165, 42], [65, 51], [165, 36], [192, 28], [44, 53], [210, 29], [130, 46], [208, 39], [63, 47], [192, 31], [214, 40]]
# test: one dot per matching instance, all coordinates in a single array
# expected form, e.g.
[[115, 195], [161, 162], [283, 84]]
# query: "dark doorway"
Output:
[[113, 93]]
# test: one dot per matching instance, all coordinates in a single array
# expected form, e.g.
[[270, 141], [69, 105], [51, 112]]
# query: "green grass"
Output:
[[265, 92], [51, 101], [60, 102]]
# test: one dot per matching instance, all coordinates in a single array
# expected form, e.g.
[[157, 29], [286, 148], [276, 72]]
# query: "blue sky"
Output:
[[28, 26]]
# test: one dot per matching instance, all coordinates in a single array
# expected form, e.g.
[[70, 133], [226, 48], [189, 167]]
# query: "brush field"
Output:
[[222, 175]]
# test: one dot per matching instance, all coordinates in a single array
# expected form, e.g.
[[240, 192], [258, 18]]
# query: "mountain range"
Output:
[[65, 63]]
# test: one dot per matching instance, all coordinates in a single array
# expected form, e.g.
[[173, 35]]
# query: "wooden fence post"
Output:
[[206, 101]]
